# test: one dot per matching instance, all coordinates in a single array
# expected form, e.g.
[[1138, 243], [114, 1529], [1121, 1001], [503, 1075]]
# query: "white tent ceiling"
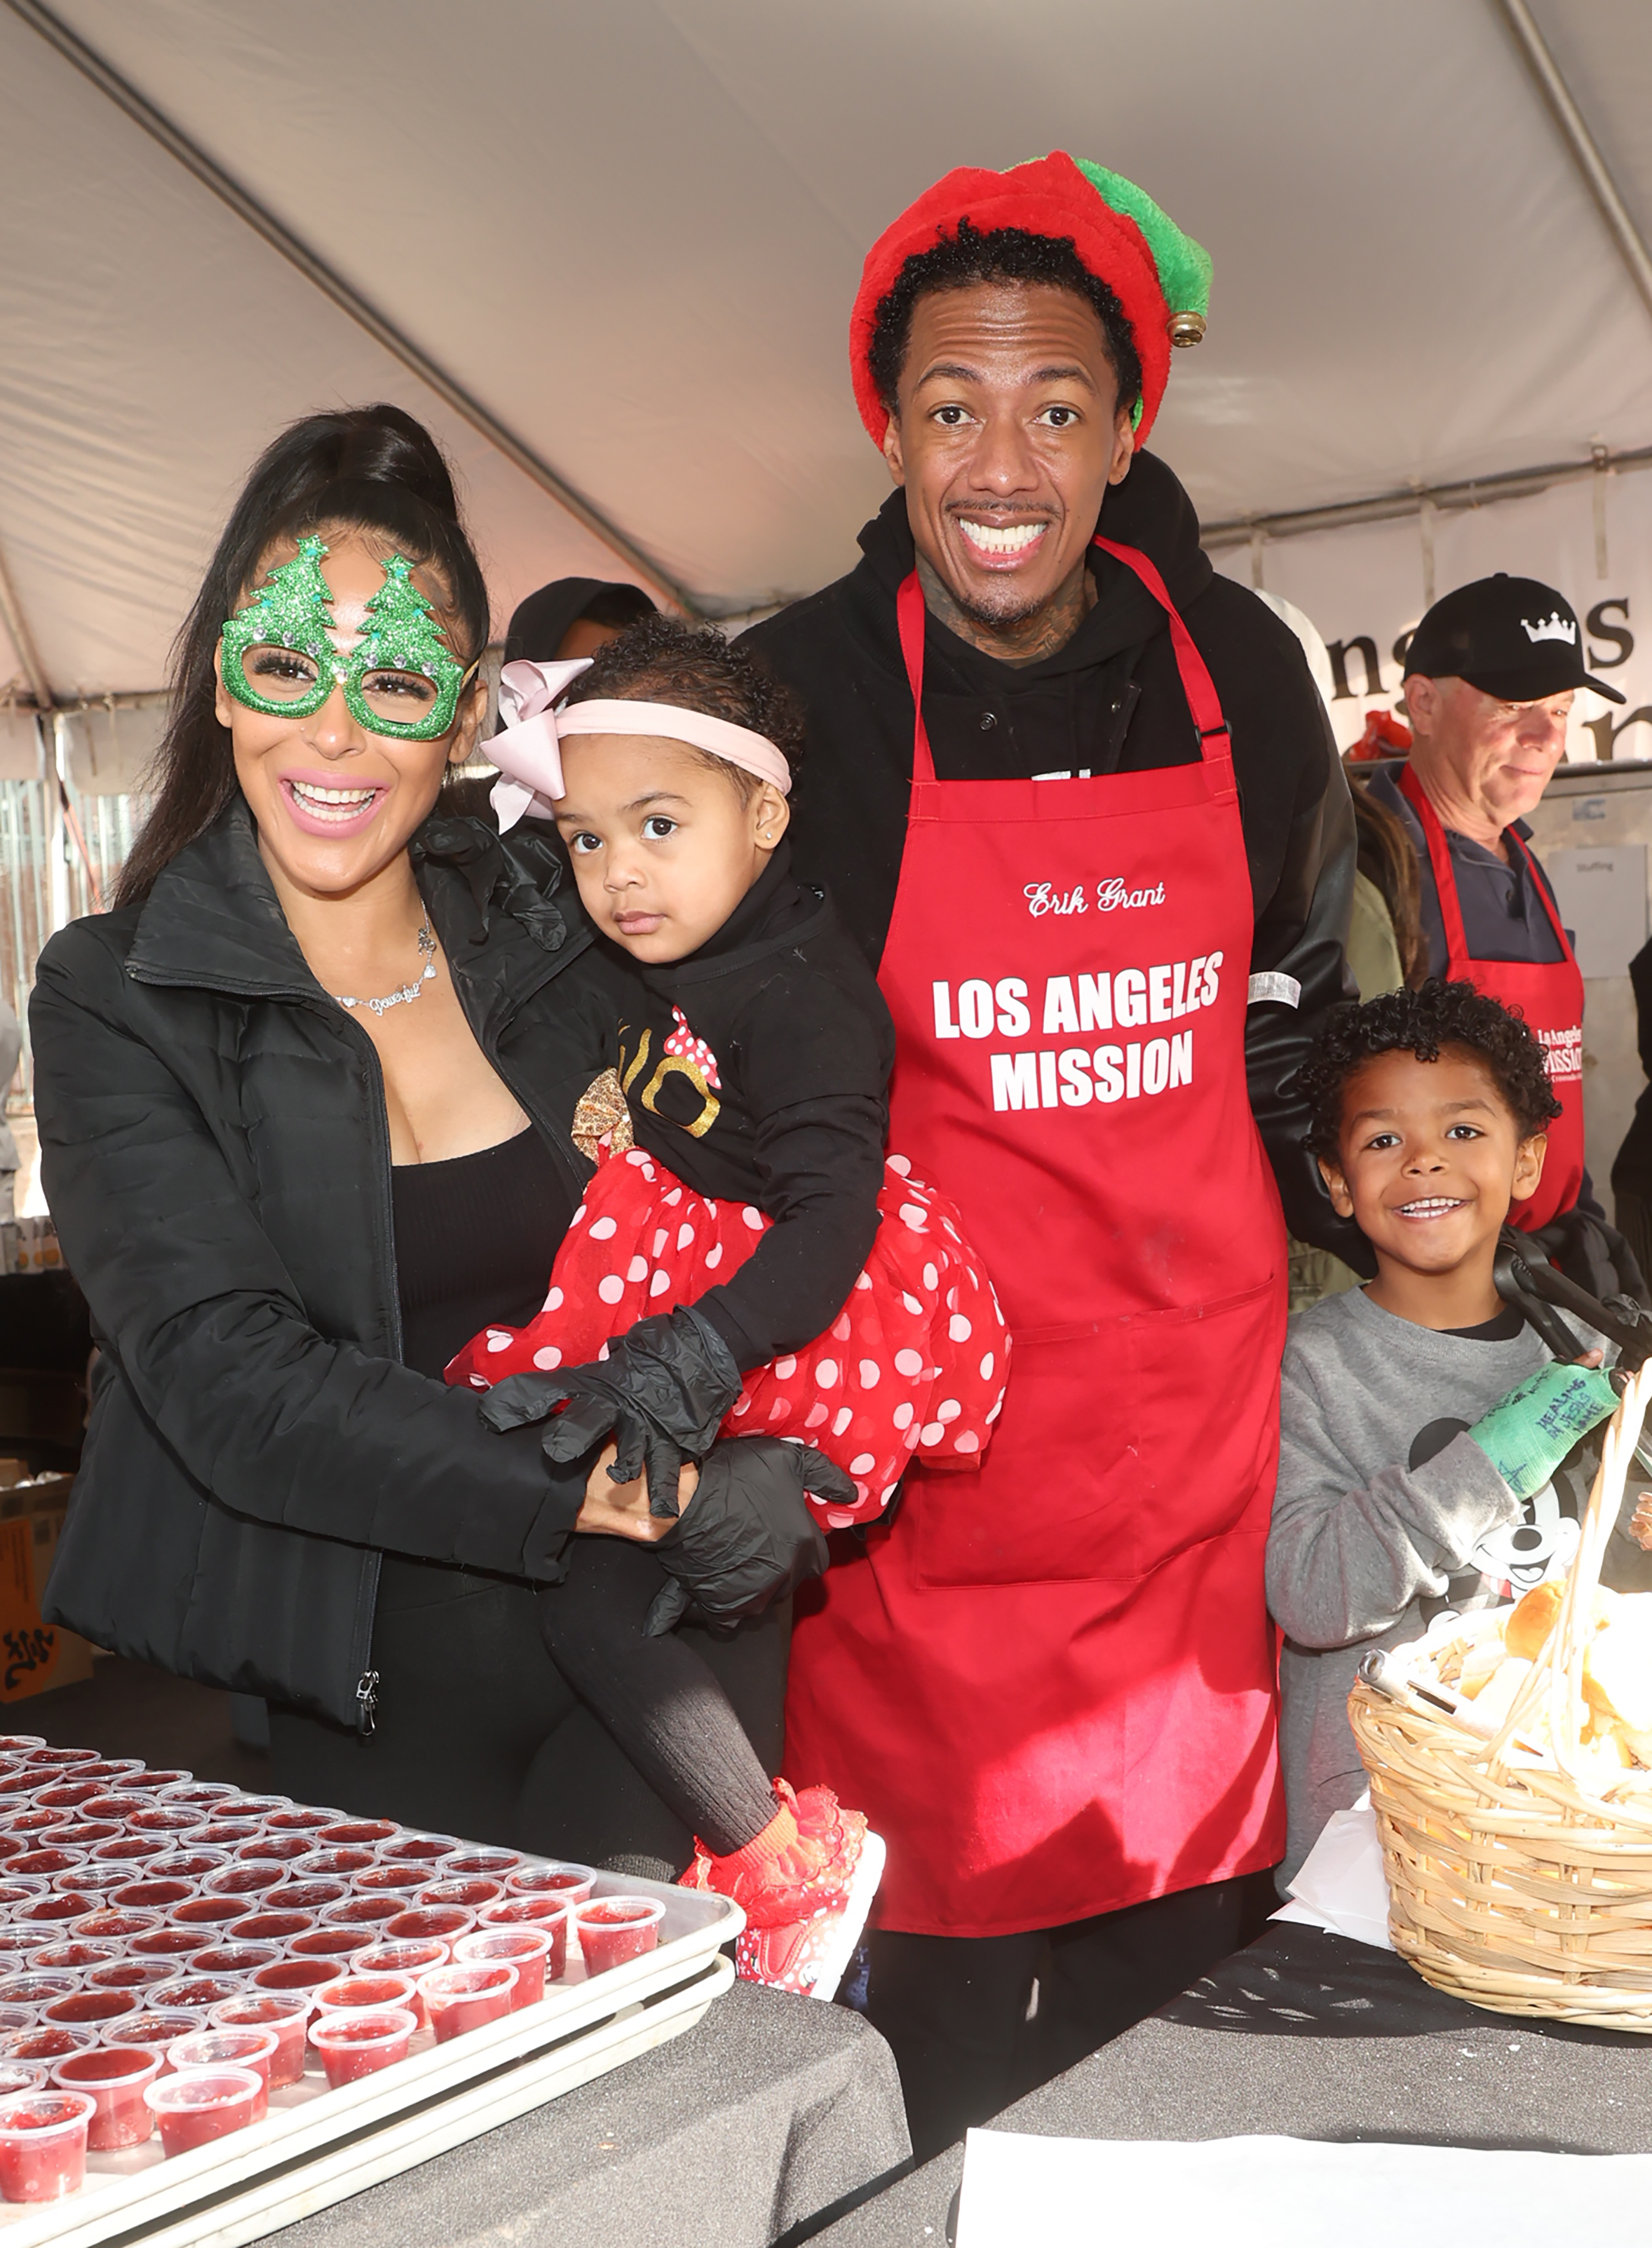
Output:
[[633, 232]]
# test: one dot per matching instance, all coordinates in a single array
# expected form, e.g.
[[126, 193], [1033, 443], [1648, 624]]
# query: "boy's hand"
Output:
[[1527, 1434], [1641, 1523]]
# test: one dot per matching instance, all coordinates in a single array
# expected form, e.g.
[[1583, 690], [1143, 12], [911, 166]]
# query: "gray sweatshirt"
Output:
[[1382, 1504]]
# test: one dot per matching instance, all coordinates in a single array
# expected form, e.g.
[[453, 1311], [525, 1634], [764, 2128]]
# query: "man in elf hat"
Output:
[[1491, 674], [1076, 797]]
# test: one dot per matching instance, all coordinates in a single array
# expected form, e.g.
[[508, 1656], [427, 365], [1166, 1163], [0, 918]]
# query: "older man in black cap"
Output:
[[1490, 678]]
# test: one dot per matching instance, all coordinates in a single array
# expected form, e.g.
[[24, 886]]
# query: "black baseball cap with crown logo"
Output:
[[1512, 637]]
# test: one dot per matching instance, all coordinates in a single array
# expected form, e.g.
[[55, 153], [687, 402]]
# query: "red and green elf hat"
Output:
[[1161, 276]]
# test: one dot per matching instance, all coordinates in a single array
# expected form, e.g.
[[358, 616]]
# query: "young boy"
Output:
[[1421, 1418]]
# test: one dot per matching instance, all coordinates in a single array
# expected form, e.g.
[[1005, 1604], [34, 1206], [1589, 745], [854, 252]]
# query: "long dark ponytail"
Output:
[[372, 468]]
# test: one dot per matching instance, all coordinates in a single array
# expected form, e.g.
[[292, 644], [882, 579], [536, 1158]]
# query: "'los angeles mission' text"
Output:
[[1073, 1076]]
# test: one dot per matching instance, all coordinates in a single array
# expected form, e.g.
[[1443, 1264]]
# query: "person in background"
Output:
[[1632, 1167], [1490, 678], [574, 617], [10, 1159]]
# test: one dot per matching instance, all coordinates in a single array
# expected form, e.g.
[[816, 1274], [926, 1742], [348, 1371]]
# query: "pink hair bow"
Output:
[[526, 750]]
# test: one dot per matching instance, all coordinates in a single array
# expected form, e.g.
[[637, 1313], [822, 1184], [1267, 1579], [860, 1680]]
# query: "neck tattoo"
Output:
[[1021, 640], [408, 992]]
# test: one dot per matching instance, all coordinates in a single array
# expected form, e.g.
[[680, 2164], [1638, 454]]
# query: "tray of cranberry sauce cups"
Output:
[[412, 1990]]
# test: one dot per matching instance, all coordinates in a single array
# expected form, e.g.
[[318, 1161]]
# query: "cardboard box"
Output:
[[33, 1655]]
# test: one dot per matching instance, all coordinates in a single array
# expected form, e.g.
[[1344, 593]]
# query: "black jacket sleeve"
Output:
[[268, 1416]]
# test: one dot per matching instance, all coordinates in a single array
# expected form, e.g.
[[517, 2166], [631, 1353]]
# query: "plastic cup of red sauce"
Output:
[[274, 1849], [366, 1994], [208, 1913], [43, 2145], [33, 1989], [527, 1950], [21, 1744], [159, 2026], [68, 1794], [569, 1884], [17, 1948], [290, 1976], [81, 1834], [311, 1892], [355, 2046], [230, 2048], [59, 1759], [89, 2009], [240, 1881], [302, 1818], [419, 1850], [611, 1930], [469, 1893], [47, 2041], [75, 1955], [357, 1834], [409, 1959], [151, 1895], [492, 1864], [109, 1770], [260, 1806], [35, 1820], [116, 1923], [167, 1818], [330, 1859], [222, 1833], [166, 1942], [47, 1911], [285, 2019], [115, 2078], [200, 1792], [425, 1923], [389, 1880], [458, 1999], [48, 1861], [149, 1782], [204, 2104], [187, 1864], [12, 1845], [548, 1913], [128, 1849], [326, 1943], [16, 2017], [238, 1960], [363, 1911], [131, 1975], [270, 1927], [18, 2076], [198, 1991]]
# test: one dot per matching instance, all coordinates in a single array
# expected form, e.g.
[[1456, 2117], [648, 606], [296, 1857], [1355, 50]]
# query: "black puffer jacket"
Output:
[[1110, 701], [214, 1150]]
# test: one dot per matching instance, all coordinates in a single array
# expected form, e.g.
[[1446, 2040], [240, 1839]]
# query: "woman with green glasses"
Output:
[[304, 1100]]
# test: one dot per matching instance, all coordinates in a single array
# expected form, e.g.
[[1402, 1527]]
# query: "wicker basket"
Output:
[[1513, 1881]]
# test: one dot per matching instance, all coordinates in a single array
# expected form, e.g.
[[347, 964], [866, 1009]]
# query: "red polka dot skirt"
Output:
[[916, 1362]]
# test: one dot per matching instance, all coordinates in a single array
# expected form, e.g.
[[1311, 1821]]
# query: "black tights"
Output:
[[480, 1735], [657, 1696]]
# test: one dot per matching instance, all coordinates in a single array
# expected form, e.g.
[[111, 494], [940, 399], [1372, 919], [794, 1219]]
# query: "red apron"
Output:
[[1548, 993], [1051, 1681]]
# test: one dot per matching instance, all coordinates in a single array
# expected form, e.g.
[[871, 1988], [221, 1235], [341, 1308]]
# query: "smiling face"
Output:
[[1487, 758], [1431, 1159], [664, 844], [1007, 433], [335, 804]]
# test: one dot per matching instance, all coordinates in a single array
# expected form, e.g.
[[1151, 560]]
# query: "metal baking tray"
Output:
[[317, 2146]]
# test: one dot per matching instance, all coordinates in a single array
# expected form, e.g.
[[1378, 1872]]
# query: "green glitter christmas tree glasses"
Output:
[[400, 679]]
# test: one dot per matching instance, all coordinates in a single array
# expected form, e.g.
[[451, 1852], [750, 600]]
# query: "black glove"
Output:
[[1592, 1254], [661, 1393], [748, 1537]]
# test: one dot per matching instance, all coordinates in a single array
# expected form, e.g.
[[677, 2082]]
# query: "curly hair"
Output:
[[1427, 1023], [1007, 253], [659, 659]]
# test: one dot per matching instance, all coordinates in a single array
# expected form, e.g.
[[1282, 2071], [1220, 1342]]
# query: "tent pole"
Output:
[[23, 640], [252, 213], [1587, 157]]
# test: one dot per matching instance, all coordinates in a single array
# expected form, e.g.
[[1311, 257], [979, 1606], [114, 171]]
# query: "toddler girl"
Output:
[[745, 1261]]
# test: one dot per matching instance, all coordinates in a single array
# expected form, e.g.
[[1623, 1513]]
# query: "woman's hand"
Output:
[[620, 1509]]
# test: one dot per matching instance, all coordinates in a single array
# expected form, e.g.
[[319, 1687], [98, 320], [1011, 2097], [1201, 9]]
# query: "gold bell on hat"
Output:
[[1187, 328]]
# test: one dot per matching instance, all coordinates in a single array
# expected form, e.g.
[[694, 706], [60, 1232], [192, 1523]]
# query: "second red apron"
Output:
[[1051, 1679], [1549, 993]]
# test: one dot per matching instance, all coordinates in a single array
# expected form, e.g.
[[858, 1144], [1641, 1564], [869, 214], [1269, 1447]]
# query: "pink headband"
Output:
[[529, 755]]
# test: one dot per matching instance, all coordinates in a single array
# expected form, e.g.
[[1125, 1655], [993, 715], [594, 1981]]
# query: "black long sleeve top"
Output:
[[1110, 701], [774, 1094]]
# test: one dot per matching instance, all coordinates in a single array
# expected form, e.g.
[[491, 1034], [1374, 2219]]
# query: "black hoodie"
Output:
[[1110, 701]]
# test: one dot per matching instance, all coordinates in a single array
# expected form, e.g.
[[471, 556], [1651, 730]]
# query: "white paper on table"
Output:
[[1022, 2192], [1341, 1884]]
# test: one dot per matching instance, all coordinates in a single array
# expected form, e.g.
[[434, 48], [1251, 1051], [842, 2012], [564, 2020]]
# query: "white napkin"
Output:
[[1341, 1884]]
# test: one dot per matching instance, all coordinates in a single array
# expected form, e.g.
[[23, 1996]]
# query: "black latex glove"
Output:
[[661, 1393], [748, 1537]]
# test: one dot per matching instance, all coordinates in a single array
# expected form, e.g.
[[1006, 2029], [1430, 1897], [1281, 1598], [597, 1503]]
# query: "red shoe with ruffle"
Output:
[[805, 1883]]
